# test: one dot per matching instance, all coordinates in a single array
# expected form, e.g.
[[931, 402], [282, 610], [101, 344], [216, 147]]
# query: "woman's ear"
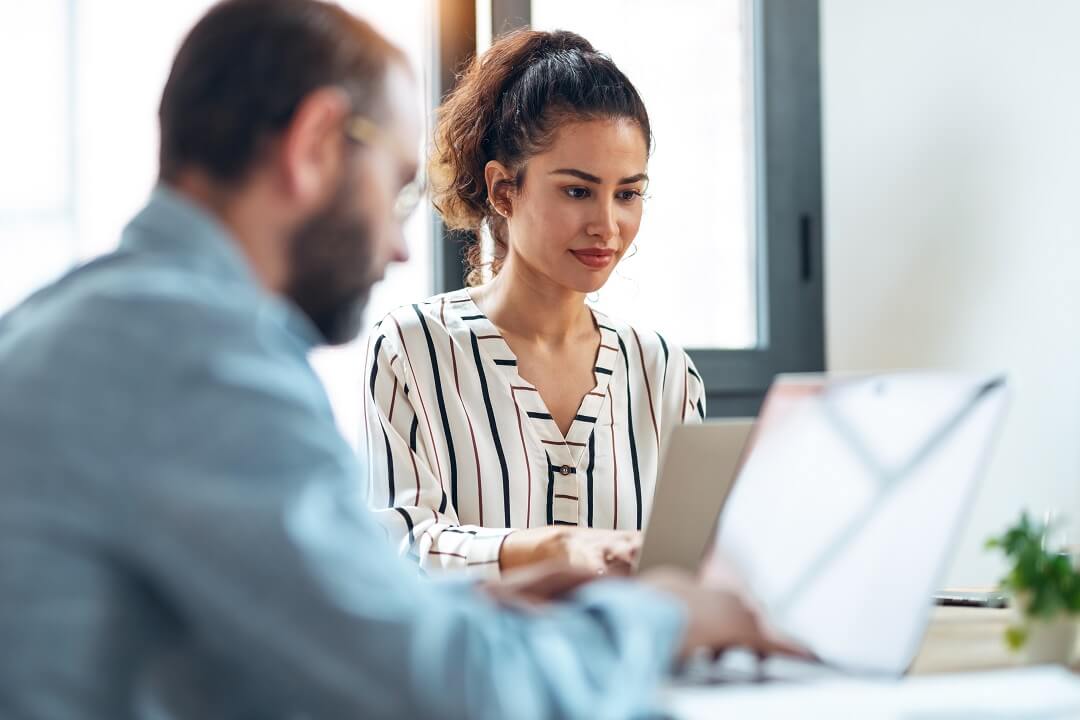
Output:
[[499, 181]]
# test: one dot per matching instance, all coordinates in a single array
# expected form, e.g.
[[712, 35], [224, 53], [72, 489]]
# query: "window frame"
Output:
[[788, 193]]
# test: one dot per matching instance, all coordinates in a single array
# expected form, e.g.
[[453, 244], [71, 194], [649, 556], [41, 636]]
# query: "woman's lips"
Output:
[[594, 259]]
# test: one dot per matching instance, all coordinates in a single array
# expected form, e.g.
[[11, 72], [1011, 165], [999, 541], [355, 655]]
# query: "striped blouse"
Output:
[[462, 450]]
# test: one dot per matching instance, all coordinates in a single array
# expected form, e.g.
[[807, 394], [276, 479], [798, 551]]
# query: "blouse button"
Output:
[[564, 470]]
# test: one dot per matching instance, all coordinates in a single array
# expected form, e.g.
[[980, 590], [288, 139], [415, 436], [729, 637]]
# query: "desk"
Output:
[[965, 639], [959, 640]]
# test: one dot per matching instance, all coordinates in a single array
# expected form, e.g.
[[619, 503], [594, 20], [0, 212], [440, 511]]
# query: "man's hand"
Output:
[[538, 584], [718, 618]]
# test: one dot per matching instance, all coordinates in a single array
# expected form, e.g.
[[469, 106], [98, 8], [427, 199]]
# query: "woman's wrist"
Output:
[[526, 547]]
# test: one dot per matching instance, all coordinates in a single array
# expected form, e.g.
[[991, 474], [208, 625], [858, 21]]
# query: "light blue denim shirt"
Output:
[[182, 533]]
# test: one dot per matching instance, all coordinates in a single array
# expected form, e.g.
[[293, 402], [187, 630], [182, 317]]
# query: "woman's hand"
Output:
[[603, 552]]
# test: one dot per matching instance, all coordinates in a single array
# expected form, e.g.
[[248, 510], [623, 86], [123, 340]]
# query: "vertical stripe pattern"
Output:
[[453, 432]]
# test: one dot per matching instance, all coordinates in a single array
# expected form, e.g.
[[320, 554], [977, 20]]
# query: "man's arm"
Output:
[[260, 541]]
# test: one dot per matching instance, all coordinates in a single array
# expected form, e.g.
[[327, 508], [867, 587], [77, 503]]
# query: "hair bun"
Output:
[[559, 41]]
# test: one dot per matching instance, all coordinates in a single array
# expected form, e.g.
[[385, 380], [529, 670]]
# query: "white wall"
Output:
[[952, 200]]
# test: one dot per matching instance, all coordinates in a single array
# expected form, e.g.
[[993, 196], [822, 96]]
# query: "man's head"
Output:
[[295, 122]]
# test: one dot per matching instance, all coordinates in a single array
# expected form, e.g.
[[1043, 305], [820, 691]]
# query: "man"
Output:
[[181, 526]]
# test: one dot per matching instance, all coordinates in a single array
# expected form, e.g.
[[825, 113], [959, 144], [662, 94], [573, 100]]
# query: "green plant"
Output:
[[1044, 582]]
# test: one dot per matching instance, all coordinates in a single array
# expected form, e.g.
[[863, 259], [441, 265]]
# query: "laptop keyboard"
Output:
[[743, 666]]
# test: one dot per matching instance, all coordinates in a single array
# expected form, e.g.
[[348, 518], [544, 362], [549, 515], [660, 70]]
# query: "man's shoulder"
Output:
[[121, 311], [122, 286]]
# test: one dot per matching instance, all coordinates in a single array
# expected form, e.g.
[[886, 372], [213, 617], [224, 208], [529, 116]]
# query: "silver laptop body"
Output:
[[697, 472]]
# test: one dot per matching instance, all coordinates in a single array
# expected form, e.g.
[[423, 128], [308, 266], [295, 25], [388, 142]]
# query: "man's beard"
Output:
[[331, 267]]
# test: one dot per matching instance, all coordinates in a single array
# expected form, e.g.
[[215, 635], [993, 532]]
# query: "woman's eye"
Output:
[[628, 195], [577, 193]]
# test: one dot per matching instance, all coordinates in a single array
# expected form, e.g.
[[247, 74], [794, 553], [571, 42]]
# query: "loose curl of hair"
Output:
[[507, 106]]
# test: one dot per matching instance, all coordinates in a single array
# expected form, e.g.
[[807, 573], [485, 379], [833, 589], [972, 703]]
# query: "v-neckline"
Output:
[[562, 450]]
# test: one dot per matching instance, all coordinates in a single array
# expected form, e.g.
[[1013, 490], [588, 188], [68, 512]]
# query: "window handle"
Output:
[[805, 247]]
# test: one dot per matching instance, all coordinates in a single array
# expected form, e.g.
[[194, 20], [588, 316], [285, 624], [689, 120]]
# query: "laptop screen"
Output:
[[850, 501]]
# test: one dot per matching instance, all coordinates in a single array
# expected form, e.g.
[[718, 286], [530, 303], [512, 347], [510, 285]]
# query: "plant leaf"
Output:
[[1015, 637]]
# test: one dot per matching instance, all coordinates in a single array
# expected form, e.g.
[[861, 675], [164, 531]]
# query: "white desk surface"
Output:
[[962, 671]]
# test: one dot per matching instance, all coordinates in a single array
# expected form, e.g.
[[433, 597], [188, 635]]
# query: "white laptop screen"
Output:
[[844, 515]]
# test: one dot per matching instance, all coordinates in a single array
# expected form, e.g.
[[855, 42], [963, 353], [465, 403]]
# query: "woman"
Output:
[[508, 423]]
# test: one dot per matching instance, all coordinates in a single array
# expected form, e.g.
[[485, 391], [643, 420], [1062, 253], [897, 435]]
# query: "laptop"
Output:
[[696, 475], [847, 510]]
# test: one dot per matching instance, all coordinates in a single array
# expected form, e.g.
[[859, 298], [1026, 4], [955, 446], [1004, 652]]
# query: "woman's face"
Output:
[[579, 206]]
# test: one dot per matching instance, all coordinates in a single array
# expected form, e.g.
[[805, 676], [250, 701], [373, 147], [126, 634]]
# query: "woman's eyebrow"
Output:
[[589, 177]]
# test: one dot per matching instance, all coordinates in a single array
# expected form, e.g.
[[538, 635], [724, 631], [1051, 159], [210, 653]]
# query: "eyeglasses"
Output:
[[364, 131]]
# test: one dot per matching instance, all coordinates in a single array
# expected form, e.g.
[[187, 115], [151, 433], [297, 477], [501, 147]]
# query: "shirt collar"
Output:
[[173, 225], [192, 237]]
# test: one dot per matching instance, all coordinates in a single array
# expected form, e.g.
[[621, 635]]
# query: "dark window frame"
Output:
[[789, 217]]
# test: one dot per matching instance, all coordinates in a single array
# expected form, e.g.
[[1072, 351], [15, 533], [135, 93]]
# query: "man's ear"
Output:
[[311, 147], [500, 183]]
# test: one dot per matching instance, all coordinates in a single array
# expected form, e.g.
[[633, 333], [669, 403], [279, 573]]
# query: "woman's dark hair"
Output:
[[507, 106], [244, 69]]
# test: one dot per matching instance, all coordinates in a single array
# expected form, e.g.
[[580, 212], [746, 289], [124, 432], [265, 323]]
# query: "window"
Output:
[[695, 237], [729, 255], [36, 194], [728, 260], [80, 156]]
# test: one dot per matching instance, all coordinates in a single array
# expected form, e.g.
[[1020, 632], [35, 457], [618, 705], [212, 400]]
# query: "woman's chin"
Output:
[[582, 280], [586, 285]]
